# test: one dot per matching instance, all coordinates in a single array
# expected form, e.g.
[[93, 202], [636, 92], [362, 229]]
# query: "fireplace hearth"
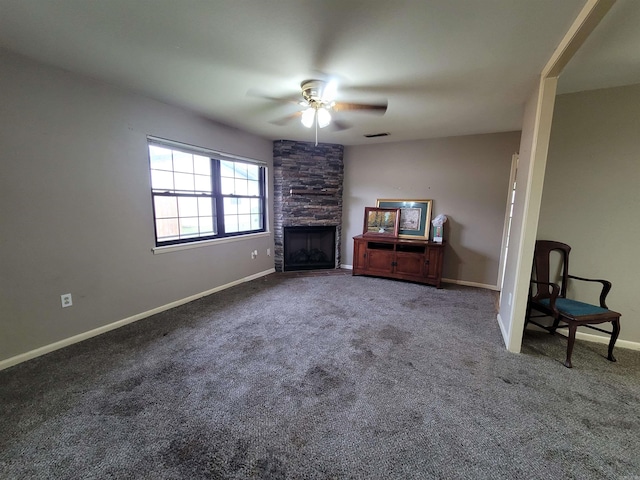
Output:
[[309, 248]]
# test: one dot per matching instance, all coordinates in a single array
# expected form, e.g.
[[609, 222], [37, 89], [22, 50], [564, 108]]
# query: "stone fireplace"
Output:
[[307, 193]]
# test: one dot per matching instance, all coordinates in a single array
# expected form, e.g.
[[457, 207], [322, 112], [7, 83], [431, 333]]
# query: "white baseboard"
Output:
[[23, 357], [505, 334], [471, 284], [449, 280], [590, 337]]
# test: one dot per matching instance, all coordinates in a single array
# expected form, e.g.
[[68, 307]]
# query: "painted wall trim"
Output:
[[207, 243], [591, 337], [584, 24], [502, 326], [533, 198], [471, 284], [450, 280], [23, 357], [508, 219]]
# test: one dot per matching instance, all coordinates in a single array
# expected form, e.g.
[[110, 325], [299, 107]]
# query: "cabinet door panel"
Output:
[[359, 255], [380, 260], [409, 264], [432, 268]]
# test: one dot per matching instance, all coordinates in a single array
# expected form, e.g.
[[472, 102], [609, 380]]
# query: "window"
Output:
[[200, 194]]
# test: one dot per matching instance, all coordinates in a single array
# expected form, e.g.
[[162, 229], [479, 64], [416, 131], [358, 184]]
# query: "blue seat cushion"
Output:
[[575, 308]]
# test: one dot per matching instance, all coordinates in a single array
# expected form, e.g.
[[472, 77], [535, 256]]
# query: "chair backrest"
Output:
[[542, 265]]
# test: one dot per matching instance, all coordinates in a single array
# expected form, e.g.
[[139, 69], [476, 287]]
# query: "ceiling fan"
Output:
[[318, 96]]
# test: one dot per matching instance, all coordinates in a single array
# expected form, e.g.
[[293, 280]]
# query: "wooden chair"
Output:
[[550, 299]]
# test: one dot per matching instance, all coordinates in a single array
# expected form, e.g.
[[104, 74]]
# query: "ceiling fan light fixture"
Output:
[[308, 117], [324, 117]]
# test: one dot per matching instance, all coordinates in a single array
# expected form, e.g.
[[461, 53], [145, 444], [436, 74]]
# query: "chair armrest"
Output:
[[555, 291], [606, 287]]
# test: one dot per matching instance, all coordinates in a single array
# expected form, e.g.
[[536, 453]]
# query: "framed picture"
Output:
[[415, 216], [381, 221]]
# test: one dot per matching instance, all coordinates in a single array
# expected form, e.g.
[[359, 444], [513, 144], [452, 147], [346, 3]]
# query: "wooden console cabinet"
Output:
[[401, 258]]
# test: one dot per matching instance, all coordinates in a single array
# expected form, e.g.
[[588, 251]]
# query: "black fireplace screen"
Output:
[[308, 248]]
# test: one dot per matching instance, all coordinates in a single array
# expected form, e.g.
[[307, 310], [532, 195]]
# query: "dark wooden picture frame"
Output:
[[381, 222]]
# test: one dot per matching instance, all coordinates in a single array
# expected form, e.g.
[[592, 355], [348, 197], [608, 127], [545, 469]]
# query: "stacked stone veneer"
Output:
[[307, 190]]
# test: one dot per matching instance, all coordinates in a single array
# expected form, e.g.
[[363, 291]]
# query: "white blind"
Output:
[[202, 151]]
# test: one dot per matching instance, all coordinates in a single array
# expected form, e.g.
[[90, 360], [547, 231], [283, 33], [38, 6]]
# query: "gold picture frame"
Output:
[[415, 216]]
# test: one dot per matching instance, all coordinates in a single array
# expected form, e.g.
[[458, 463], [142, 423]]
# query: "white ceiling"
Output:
[[446, 67], [610, 57]]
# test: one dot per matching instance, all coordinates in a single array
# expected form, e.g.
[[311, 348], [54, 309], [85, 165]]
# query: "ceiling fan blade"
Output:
[[380, 108], [339, 125], [294, 99], [285, 120], [330, 91]]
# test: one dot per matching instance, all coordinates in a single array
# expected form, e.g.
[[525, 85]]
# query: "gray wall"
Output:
[[76, 213], [467, 178], [590, 198]]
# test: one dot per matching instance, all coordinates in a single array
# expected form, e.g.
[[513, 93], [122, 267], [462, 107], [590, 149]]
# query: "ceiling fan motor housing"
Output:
[[312, 91]]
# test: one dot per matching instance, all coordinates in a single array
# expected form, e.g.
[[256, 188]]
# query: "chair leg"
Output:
[[570, 342], [614, 336], [552, 329]]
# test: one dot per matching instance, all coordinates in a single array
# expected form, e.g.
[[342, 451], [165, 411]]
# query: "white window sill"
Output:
[[206, 243]]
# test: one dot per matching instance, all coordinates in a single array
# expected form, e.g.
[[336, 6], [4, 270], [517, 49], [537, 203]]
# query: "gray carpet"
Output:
[[322, 377]]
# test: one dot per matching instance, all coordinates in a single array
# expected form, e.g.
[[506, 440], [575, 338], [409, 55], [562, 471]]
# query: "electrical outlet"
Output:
[[268, 252], [254, 254], [66, 300]]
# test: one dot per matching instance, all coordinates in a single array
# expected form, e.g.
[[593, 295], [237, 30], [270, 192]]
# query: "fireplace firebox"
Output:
[[309, 248]]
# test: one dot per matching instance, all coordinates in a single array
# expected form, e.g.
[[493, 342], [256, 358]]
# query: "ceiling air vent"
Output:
[[374, 135]]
